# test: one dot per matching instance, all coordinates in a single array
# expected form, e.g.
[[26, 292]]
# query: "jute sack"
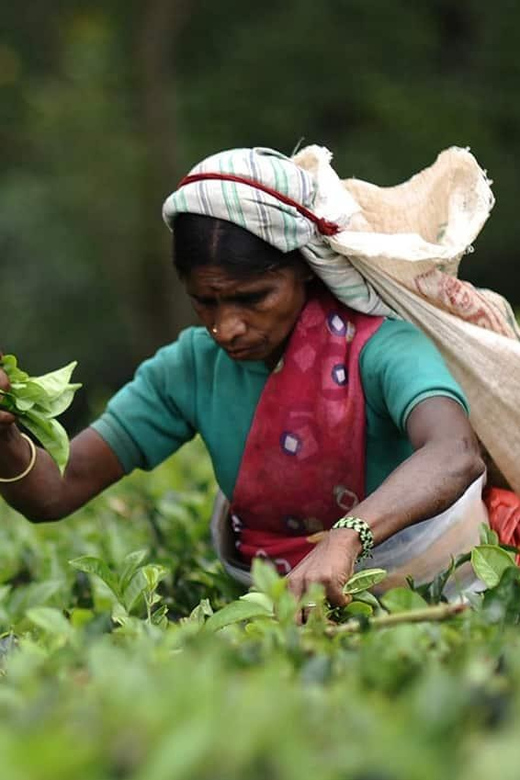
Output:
[[407, 242]]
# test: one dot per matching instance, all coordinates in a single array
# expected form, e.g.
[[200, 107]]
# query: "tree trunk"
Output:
[[163, 306]]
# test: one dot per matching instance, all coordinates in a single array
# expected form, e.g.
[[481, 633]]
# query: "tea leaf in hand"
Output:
[[56, 382], [52, 436], [37, 400]]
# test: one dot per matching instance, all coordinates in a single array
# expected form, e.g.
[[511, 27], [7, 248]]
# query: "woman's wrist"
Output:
[[347, 537], [15, 452], [30, 465], [363, 531]]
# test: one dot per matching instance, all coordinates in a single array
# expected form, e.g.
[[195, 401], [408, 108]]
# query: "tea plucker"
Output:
[[335, 431]]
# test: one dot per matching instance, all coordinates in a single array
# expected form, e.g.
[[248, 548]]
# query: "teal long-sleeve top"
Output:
[[192, 386]]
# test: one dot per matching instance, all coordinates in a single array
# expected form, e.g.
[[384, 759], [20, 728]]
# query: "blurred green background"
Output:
[[105, 105]]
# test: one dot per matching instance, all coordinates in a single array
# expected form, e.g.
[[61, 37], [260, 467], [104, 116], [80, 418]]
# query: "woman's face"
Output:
[[250, 318]]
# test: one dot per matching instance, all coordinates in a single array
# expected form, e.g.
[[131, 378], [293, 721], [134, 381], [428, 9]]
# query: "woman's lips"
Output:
[[237, 354]]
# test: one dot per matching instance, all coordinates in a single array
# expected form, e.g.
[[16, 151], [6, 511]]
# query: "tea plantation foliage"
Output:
[[126, 653]]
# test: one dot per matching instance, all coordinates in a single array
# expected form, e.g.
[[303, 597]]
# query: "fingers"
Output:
[[328, 566], [335, 599], [5, 385], [301, 617], [6, 418], [298, 587], [300, 584]]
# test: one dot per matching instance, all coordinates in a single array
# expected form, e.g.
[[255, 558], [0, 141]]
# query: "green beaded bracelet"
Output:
[[366, 537]]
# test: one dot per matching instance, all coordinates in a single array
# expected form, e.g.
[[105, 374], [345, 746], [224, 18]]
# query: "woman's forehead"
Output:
[[214, 278]]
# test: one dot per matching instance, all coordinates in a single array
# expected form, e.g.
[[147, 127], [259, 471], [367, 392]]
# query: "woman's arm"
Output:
[[445, 462], [157, 406], [44, 494]]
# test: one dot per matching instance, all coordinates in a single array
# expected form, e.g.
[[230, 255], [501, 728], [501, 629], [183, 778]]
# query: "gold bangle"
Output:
[[29, 467]]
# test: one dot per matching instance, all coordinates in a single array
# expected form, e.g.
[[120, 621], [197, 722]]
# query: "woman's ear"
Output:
[[306, 273]]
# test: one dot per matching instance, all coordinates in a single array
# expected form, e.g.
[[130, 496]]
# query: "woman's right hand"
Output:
[[45, 494], [6, 418]]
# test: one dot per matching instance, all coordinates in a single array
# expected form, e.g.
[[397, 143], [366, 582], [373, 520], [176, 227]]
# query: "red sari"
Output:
[[504, 515], [303, 466]]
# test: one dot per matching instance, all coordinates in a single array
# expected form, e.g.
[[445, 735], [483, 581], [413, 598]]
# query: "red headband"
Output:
[[325, 227]]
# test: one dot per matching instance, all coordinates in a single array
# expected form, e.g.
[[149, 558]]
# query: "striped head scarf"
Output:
[[285, 204]]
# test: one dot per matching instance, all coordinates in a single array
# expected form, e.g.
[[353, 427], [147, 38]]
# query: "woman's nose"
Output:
[[229, 325]]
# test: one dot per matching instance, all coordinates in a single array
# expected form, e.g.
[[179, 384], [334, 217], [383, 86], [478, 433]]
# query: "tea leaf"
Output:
[[265, 577], [50, 620], [134, 590], [358, 608], [130, 565], [200, 613], [56, 382], [236, 612], [402, 600], [153, 574], [259, 598], [364, 579], [52, 436], [36, 401], [91, 565], [489, 563], [487, 535], [367, 598]]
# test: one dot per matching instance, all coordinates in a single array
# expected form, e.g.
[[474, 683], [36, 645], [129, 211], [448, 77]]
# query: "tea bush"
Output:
[[126, 652]]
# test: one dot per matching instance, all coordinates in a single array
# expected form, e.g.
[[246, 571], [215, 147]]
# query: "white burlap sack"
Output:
[[407, 241]]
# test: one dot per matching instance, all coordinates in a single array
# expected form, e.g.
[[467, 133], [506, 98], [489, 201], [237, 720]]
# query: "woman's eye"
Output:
[[249, 299], [202, 303]]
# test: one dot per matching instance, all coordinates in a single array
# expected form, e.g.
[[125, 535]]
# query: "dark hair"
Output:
[[200, 240]]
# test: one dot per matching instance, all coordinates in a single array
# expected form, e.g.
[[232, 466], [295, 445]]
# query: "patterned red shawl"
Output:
[[304, 462]]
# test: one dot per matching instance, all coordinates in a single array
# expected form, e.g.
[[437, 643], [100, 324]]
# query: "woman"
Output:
[[315, 415]]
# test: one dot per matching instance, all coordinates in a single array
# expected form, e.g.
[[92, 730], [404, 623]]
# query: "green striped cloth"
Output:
[[277, 223]]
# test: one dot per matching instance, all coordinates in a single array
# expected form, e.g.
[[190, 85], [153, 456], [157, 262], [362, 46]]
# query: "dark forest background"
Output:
[[105, 105]]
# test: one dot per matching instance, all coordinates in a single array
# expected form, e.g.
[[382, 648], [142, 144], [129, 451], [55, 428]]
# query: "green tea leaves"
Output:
[[396, 689], [487, 535], [489, 563], [36, 401], [51, 435], [236, 612], [363, 580], [56, 382], [402, 600], [92, 565], [50, 620]]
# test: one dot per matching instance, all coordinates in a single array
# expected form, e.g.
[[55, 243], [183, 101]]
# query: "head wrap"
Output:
[[284, 204]]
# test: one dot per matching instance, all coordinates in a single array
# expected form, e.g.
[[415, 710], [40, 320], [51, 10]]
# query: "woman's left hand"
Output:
[[330, 564]]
